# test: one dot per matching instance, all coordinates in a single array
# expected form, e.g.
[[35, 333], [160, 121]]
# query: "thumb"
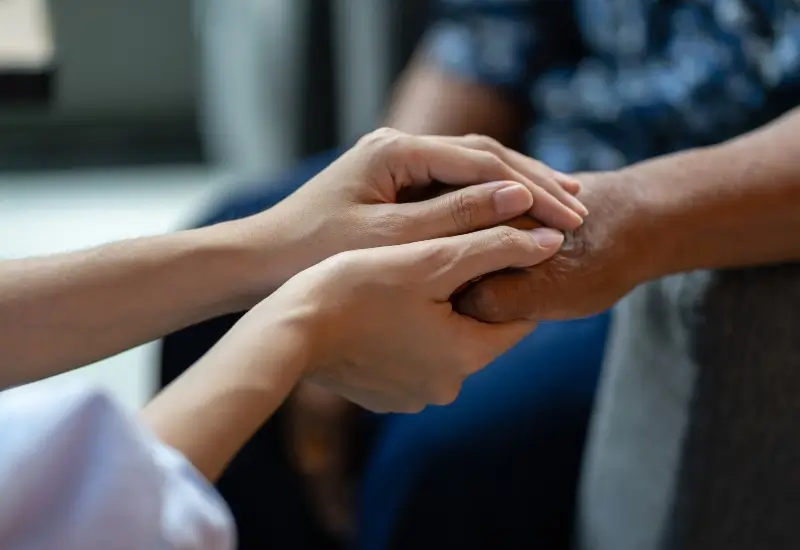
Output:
[[466, 257], [488, 341], [498, 338], [467, 209]]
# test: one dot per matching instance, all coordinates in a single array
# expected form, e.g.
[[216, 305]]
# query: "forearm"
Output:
[[67, 310], [428, 101], [216, 406], [733, 205]]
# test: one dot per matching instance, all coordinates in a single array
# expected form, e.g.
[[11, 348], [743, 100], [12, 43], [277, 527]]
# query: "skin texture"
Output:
[[599, 263], [733, 205]]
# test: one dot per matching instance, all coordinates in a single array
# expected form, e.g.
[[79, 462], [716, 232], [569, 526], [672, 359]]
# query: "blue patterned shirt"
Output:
[[611, 82]]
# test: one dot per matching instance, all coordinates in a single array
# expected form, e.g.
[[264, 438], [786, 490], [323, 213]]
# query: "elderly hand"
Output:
[[598, 264], [354, 202]]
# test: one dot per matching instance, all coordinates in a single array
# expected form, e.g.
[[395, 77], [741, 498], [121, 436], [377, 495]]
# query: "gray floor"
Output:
[[52, 212]]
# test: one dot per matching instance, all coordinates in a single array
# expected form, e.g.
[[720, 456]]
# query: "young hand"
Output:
[[378, 326], [355, 202]]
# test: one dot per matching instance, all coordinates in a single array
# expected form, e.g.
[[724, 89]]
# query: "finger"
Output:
[[466, 210], [421, 160], [384, 403], [558, 185], [484, 342], [498, 338], [504, 336], [463, 258], [570, 184]]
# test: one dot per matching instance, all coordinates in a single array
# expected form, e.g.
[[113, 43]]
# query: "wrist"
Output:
[[678, 218], [283, 336], [217, 405], [226, 264], [274, 246], [257, 254], [621, 212]]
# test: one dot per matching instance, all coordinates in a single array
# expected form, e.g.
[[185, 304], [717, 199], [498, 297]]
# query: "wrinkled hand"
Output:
[[598, 264], [378, 323], [354, 202]]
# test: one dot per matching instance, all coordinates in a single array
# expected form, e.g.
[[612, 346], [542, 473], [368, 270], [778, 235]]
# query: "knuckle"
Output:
[[356, 267], [341, 265], [464, 210], [485, 143], [508, 237], [342, 260], [395, 226], [490, 160], [435, 255], [382, 140], [491, 167], [378, 136]]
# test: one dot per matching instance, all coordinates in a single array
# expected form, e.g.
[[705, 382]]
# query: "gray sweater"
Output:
[[695, 440]]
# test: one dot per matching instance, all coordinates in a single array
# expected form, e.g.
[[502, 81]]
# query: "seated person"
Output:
[[590, 88]]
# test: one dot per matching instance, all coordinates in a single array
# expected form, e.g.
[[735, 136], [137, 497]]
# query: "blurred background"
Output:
[[121, 118]]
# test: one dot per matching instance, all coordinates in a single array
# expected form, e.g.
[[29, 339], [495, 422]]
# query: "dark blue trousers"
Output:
[[496, 469]]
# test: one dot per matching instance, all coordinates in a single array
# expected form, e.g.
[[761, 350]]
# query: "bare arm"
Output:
[[429, 101], [64, 311], [67, 310], [216, 406], [736, 204]]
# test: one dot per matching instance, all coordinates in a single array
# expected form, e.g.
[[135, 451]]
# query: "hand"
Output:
[[598, 264], [378, 324], [353, 205], [354, 202]]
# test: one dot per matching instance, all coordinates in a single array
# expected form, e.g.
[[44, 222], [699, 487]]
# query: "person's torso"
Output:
[[690, 444], [643, 78]]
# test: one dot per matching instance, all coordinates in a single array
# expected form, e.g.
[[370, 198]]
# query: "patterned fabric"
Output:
[[611, 82]]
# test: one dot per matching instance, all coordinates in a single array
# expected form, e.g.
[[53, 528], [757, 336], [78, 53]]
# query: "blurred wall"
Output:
[[125, 59], [125, 89], [252, 60], [250, 85]]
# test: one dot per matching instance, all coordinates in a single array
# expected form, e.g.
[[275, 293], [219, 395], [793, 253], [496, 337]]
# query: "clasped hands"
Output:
[[375, 262], [370, 284]]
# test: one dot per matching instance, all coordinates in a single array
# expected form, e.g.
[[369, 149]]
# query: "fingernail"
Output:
[[547, 238], [512, 199]]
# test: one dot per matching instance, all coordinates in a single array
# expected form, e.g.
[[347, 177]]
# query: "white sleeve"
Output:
[[77, 472]]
